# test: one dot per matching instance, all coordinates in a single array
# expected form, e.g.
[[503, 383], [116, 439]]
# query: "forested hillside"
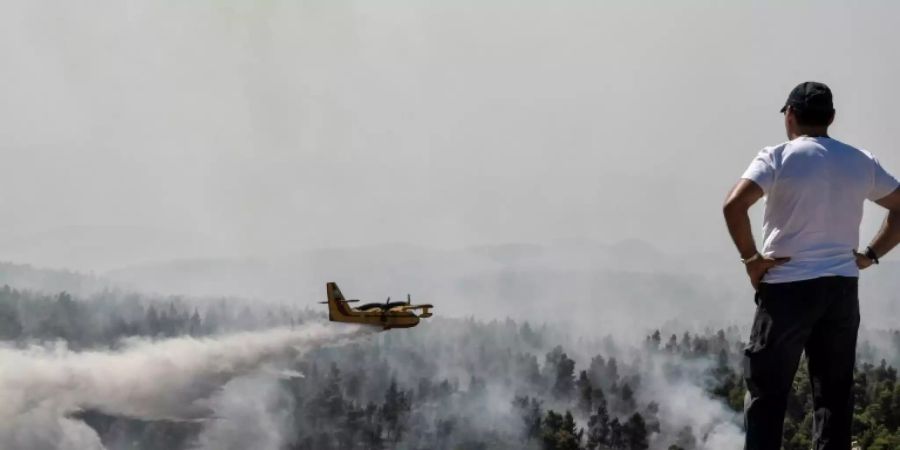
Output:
[[458, 383]]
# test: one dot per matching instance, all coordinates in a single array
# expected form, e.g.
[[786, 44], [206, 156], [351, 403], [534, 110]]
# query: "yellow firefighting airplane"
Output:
[[387, 315]]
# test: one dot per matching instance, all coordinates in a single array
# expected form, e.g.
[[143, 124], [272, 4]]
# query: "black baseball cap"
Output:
[[810, 96]]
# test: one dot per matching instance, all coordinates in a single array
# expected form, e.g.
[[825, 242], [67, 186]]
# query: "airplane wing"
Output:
[[422, 306]]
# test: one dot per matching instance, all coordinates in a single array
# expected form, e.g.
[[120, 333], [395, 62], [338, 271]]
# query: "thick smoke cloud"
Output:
[[683, 402], [250, 413], [170, 379]]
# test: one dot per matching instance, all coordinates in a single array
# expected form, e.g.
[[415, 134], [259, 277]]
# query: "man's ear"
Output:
[[831, 118]]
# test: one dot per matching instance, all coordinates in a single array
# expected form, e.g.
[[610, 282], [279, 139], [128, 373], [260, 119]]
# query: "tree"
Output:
[[635, 433], [651, 417], [173, 322], [560, 432], [672, 344], [529, 371], [151, 322], [627, 403], [686, 342], [612, 372], [550, 430], [351, 426], [597, 370], [570, 439], [331, 400], [617, 438], [195, 327], [66, 321], [394, 411], [599, 432], [722, 362], [530, 411], [10, 326], [371, 430], [564, 382], [529, 336], [585, 393], [551, 361], [653, 341]]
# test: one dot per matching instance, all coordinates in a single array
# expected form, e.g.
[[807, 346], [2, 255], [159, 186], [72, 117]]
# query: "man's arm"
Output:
[[737, 205], [736, 210], [889, 235]]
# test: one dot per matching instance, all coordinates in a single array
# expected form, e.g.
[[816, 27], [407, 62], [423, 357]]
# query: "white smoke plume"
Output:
[[687, 404], [168, 379], [248, 415]]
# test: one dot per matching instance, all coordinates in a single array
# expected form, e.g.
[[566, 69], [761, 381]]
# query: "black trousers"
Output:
[[820, 316]]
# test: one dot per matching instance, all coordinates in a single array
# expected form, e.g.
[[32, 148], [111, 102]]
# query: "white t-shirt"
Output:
[[815, 188]]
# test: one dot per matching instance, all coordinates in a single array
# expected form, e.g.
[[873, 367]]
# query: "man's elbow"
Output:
[[733, 207], [742, 196], [891, 202]]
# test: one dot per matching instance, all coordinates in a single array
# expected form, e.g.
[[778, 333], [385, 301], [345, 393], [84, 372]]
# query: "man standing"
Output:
[[806, 275]]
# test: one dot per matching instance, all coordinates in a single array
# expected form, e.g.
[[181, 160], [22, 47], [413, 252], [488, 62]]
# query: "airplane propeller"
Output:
[[384, 311]]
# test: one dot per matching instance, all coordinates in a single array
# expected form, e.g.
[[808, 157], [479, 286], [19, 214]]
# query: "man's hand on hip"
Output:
[[863, 261], [758, 265]]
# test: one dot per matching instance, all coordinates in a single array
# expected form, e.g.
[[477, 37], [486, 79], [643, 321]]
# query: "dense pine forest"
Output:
[[454, 384]]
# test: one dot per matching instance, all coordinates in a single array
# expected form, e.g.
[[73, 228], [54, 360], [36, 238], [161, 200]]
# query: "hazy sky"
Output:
[[270, 126]]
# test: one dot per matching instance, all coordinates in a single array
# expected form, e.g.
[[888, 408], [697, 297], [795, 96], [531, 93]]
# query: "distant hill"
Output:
[[622, 287], [625, 285], [24, 276], [590, 285], [101, 248]]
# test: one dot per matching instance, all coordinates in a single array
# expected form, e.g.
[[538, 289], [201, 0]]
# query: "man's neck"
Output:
[[810, 132]]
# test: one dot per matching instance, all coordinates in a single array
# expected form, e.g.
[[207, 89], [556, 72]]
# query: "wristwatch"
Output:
[[871, 255]]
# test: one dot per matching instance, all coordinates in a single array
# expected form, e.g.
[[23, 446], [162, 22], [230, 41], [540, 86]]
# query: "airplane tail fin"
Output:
[[336, 301]]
